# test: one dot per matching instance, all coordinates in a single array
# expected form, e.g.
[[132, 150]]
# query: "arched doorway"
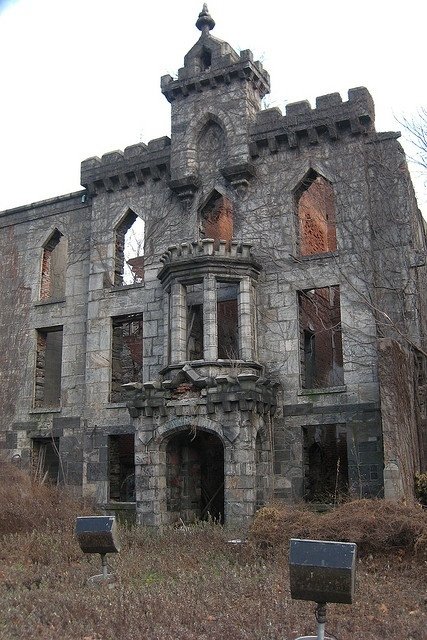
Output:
[[195, 476]]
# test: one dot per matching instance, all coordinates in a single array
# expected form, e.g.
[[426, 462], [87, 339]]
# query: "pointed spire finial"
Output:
[[205, 22]]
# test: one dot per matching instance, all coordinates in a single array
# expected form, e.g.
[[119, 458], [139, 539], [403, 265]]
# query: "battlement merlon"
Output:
[[331, 114], [116, 169], [191, 81]]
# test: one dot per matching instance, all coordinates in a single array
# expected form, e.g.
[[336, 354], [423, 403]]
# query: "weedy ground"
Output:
[[193, 584]]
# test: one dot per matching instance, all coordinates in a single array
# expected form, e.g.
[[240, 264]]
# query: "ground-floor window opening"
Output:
[[121, 467], [325, 463], [45, 459], [195, 476]]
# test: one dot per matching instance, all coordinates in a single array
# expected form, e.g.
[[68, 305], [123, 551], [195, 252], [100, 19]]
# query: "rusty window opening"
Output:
[[227, 320], [321, 338], [47, 391], [316, 216], [217, 219], [54, 267], [121, 467], [127, 354]]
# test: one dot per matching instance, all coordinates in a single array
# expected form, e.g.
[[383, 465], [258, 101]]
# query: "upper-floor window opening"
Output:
[[127, 353], [217, 219], [54, 267], [129, 251], [321, 338], [47, 391], [206, 59], [227, 320], [316, 216], [194, 294]]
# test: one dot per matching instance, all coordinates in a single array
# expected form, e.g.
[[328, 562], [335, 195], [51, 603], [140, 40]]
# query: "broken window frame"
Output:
[[325, 217], [48, 395], [45, 459], [52, 278], [117, 394], [328, 329]]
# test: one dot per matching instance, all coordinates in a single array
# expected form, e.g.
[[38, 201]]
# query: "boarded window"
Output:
[[321, 339], [54, 267], [48, 367], [127, 354], [227, 320], [316, 216], [325, 463], [45, 459], [194, 321], [121, 467], [217, 219], [129, 251]]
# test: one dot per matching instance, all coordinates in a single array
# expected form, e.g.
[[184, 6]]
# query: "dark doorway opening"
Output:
[[326, 463], [121, 467], [195, 476], [45, 459]]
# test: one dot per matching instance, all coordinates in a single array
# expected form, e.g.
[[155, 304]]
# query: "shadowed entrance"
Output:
[[195, 476]]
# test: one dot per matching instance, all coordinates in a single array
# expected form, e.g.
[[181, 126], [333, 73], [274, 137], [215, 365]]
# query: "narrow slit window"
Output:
[[194, 321], [316, 216], [227, 320]]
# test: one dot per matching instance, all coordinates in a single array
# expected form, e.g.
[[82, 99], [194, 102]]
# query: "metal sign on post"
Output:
[[322, 571], [98, 534]]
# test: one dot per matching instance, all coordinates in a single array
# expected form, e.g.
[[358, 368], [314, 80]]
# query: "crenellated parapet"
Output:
[[196, 257], [118, 169], [331, 117], [224, 70]]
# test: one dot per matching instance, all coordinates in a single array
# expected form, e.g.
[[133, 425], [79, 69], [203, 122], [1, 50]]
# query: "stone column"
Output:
[[245, 324], [210, 332], [178, 324]]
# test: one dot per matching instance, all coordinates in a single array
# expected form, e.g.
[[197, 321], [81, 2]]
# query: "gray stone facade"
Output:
[[283, 357]]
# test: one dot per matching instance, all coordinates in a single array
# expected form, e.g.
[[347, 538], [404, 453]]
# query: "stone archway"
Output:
[[194, 476]]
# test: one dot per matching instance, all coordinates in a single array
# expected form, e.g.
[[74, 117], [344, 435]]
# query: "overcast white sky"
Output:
[[81, 77]]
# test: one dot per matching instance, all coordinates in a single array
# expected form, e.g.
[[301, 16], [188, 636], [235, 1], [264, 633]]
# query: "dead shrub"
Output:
[[26, 505], [376, 526]]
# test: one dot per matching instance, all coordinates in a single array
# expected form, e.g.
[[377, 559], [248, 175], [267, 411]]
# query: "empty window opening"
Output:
[[127, 354], [195, 476], [321, 339], [194, 321], [263, 472], [45, 459], [206, 59], [54, 267], [325, 463], [129, 251], [48, 367], [217, 219], [316, 216], [227, 320], [121, 467]]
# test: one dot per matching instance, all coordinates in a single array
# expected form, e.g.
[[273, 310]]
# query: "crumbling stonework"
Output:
[[252, 356]]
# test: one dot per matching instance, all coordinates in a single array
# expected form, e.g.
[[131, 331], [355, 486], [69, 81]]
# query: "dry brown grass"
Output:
[[378, 527], [187, 585]]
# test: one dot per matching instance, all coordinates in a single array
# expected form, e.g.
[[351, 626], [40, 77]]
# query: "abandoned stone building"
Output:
[[229, 315]]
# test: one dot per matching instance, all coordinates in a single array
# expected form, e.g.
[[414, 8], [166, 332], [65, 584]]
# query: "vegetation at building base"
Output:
[[192, 583]]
